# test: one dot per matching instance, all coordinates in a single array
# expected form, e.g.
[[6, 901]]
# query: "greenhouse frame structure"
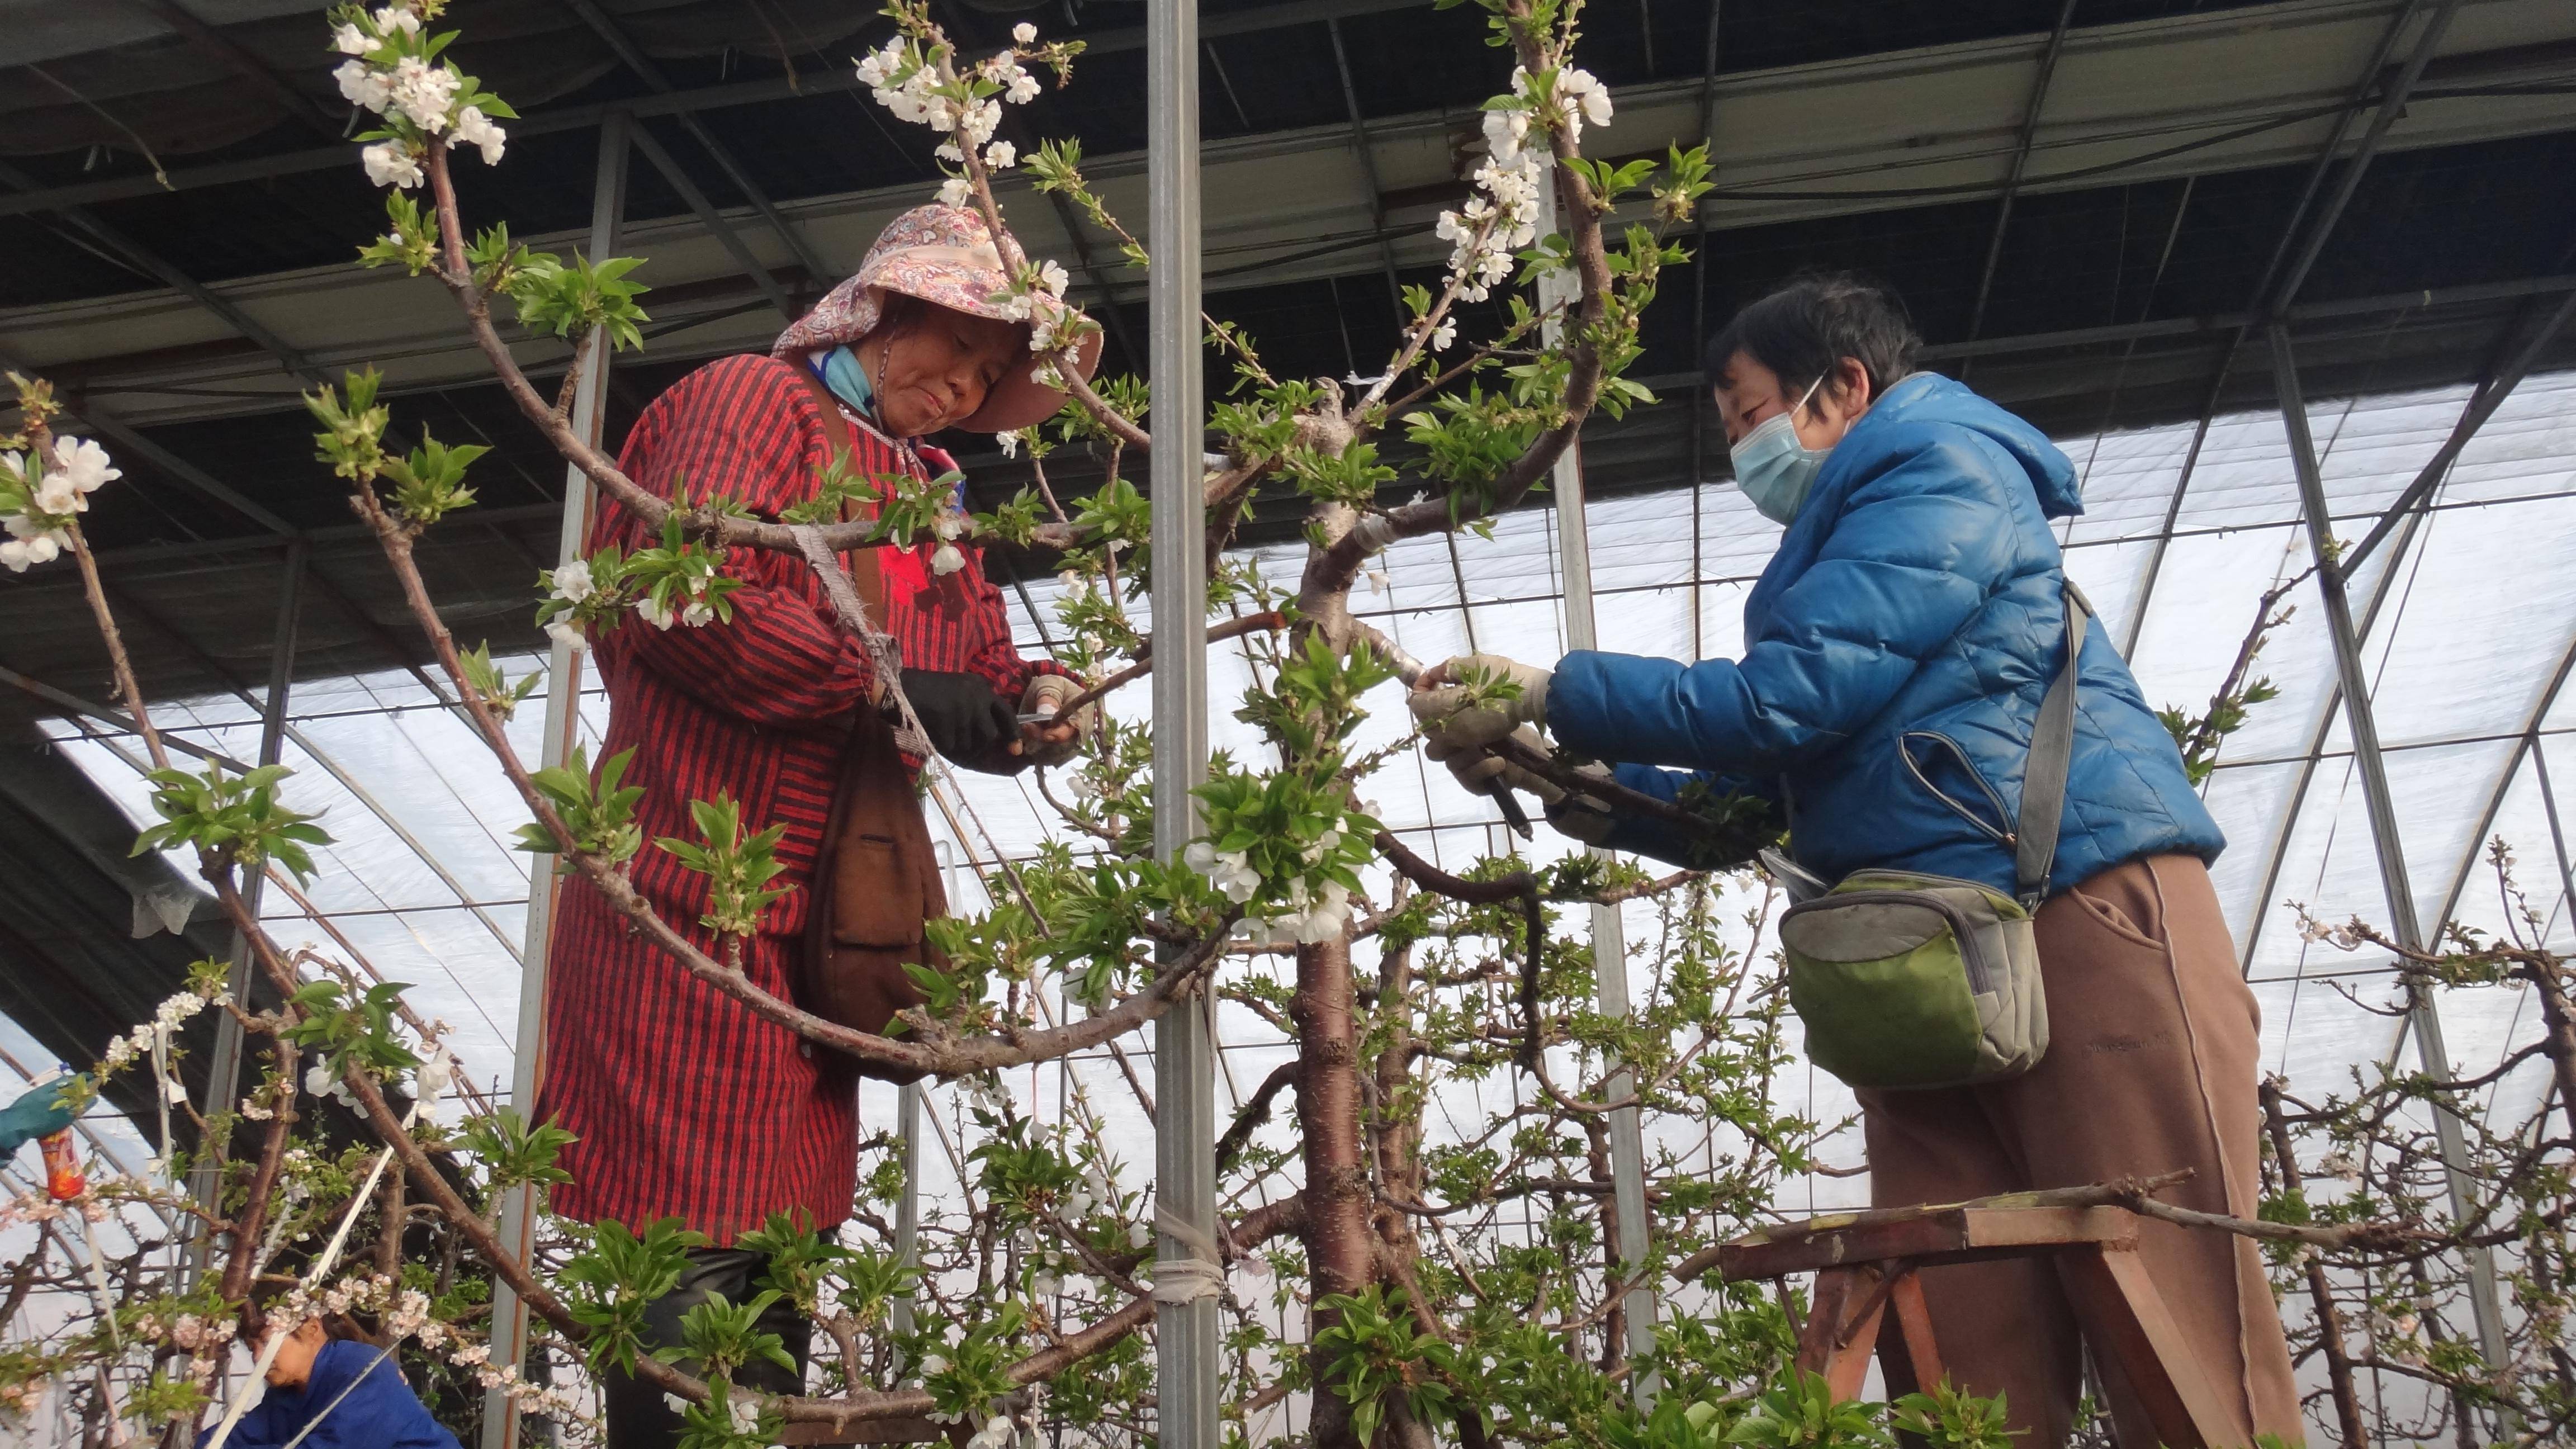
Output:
[[771, 250]]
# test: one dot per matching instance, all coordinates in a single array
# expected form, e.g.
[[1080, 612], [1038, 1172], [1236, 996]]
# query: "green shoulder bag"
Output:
[[1908, 980]]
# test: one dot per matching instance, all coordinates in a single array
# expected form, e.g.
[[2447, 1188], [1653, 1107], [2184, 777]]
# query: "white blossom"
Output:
[[699, 611], [423, 92], [321, 1081], [1023, 87], [350, 40], [1581, 89], [84, 463], [397, 17], [473, 128], [1444, 334], [956, 191], [364, 85], [1001, 156], [1009, 443], [1504, 132], [1230, 871], [745, 1414], [1024, 33], [878, 66], [1052, 276], [1043, 339], [390, 163], [55, 494], [654, 611], [946, 560], [566, 630], [573, 582], [434, 1078]]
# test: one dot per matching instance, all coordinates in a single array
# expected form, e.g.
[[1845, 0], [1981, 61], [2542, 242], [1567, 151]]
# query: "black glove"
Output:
[[960, 712]]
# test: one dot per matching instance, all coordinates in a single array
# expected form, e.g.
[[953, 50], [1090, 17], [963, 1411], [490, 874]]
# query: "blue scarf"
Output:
[[840, 371]]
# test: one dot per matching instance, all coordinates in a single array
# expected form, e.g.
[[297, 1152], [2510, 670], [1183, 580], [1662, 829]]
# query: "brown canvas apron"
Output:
[[876, 876]]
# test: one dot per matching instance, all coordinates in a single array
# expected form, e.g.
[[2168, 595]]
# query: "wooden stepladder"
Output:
[[1866, 1263]]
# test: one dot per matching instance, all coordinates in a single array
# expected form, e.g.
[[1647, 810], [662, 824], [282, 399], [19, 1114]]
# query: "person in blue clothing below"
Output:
[[1895, 653], [336, 1393]]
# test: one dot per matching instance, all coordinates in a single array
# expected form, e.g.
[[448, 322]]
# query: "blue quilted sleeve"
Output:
[[1923, 535]]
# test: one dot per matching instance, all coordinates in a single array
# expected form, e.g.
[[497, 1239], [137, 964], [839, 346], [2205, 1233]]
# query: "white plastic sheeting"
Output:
[[2472, 612]]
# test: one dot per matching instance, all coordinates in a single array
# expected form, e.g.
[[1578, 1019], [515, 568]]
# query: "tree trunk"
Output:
[[1340, 1249], [1614, 1325], [1397, 1128], [2560, 1037], [2347, 1401]]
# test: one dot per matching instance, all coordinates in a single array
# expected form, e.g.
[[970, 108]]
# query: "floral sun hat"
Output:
[[945, 256]]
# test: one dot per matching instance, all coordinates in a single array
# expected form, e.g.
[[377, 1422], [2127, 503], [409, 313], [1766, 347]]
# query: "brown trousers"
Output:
[[2150, 1066]]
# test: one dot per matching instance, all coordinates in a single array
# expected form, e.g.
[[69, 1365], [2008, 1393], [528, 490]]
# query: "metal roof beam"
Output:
[[134, 441], [169, 275], [700, 98], [2387, 844], [2524, 747], [2392, 104], [1699, 388], [651, 74], [716, 224], [213, 42], [2020, 163], [1368, 168], [2273, 304], [113, 718], [2482, 406]]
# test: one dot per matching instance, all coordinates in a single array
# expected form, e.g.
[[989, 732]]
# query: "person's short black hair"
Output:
[[1804, 326]]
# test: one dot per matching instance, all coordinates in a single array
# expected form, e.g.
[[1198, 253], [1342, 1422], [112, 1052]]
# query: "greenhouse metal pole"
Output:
[[1609, 934], [223, 1068], [2421, 1014], [518, 1214], [1185, 1316], [907, 1209]]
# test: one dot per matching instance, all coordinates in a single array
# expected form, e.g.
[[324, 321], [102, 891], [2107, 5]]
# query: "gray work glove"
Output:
[[1444, 712], [1047, 694]]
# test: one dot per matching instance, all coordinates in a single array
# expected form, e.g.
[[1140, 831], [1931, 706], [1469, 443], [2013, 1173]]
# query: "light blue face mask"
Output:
[[1773, 468]]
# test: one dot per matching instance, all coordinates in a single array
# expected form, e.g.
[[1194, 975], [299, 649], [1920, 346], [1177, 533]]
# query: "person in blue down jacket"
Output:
[[1895, 654], [333, 1393]]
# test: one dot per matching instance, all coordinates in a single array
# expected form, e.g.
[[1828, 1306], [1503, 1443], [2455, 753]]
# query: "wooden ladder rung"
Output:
[[1865, 1266]]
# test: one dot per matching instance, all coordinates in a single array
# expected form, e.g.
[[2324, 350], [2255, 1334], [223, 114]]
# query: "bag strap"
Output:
[[2052, 751]]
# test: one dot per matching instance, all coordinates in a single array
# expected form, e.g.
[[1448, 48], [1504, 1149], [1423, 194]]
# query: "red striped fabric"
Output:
[[686, 1105]]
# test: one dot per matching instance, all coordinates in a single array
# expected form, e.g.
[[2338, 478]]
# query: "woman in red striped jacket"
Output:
[[684, 1103]]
